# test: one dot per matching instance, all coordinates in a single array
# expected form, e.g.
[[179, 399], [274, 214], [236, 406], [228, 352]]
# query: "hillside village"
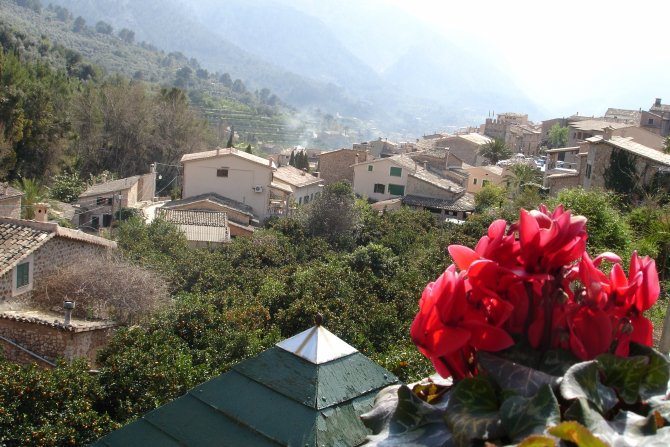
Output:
[[228, 193], [175, 270]]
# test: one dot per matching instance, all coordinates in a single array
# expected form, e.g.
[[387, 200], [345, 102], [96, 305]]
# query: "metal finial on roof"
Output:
[[318, 319]]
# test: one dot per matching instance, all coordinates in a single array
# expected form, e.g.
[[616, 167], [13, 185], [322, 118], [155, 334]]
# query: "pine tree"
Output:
[[291, 160], [230, 137]]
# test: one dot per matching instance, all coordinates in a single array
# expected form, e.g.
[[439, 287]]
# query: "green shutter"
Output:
[[370, 168], [396, 172], [22, 274], [397, 190]]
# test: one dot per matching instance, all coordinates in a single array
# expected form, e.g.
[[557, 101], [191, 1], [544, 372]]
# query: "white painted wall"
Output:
[[243, 175], [364, 180]]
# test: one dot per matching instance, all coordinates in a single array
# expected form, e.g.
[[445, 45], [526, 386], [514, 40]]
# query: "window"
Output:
[[397, 190], [379, 188], [474, 181], [396, 172], [106, 220], [103, 201], [306, 200], [588, 170], [650, 121], [95, 222], [369, 168], [300, 201], [22, 275], [222, 172]]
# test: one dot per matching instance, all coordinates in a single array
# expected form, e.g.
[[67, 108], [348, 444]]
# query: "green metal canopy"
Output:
[[309, 390]]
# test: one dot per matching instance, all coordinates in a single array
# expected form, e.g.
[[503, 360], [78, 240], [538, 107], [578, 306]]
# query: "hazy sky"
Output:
[[568, 54]]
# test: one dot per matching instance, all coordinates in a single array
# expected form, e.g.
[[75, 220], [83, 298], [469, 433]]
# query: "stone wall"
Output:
[[52, 341], [11, 207], [336, 166], [424, 189]]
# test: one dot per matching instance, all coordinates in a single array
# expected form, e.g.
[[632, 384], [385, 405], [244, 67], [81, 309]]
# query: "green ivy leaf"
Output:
[[583, 381], [575, 432], [524, 416], [513, 376], [472, 411], [412, 412], [624, 374], [657, 373]]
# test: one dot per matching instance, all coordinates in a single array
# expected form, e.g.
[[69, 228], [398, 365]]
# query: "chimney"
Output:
[[69, 307], [152, 168], [607, 132], [425, 165], [658, 102], [41, 212], [304, 171], [270, 161]]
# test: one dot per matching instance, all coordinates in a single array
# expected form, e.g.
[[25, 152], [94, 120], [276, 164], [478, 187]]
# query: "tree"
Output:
[[79, 24], [490, 196], [231, 137], [520, 175], [495, 150], [66, 187], [558, 136], [666, 147], [104, 287], [127, 35], [333, 216], [239, 87], [248, 150], [33, 193], [226, 80], [291, 160], [103, 27]]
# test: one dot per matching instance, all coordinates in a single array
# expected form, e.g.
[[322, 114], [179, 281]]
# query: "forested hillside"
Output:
[[88, 97]]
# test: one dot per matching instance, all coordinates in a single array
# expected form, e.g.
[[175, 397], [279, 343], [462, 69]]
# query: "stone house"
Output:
[[625, 116], [304, 187], [498, 128], [464, 147], [524, 139], [593, 161], [10, 201], [336, 166], [100, 202], [233, 174], [31, 249], [239, 216], [378, 148], [657, 119], [579, 131], [648, 163]]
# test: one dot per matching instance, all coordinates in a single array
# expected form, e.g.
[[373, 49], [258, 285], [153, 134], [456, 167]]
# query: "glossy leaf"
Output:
[[537, 441], [400, 417], [513, 376], [575, 432], [625, 375], [472, 411], [582, 381], [525, 416], [657, 373]]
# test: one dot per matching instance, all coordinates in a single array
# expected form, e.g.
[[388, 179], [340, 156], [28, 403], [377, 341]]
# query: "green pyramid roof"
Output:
[[276, 398]]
